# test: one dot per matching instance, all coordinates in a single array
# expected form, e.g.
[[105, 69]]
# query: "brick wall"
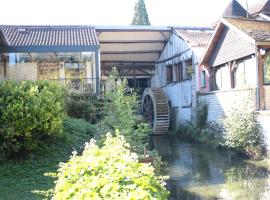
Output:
[[220, 102]]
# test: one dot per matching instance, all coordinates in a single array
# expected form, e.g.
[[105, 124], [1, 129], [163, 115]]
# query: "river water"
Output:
[[199, 172]]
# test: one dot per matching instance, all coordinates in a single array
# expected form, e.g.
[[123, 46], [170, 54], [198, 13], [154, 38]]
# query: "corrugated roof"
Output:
[[234, 9], [199, 37], [259, 7], [258, 30], [50, 35]]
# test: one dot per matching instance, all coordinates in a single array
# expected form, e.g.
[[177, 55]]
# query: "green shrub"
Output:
[[120, 108], [75, 126], [201, 115], [242, 131], [88, 107], [109, 172], [29, 113]]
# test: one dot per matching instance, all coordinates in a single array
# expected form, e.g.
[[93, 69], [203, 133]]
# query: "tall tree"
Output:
[[140, 14]]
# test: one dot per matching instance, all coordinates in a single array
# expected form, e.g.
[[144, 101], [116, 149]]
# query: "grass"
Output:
[[33, 178]]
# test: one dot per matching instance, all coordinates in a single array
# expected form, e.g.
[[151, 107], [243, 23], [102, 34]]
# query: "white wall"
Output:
[[182, 95]]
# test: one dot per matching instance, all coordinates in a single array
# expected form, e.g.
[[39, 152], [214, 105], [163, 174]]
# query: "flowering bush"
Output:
[[109, 172]]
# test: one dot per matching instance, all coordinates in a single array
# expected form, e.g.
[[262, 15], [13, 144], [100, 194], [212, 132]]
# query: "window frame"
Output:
[[170, 66], [188, 76]]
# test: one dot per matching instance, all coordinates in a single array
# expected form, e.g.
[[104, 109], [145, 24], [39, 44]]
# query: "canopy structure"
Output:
[[133, 50]]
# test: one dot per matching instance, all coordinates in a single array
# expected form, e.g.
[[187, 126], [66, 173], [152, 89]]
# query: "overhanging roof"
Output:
[[131, 45], [49, 38]]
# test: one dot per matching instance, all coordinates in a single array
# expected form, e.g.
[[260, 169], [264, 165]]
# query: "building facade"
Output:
[[69, 54]]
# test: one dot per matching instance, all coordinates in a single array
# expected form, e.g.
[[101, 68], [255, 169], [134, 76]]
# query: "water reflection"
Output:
[[199, 172]]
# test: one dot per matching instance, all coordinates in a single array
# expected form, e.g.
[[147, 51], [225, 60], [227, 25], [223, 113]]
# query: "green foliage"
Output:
[[201, 115], [33, 178], [109, 172], [75, 126], [30, 112], [88, 107], [242, 131], [140, 15], [120, 108], [211, 134]]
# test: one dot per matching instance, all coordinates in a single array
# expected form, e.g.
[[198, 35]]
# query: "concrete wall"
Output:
[[221, 102]]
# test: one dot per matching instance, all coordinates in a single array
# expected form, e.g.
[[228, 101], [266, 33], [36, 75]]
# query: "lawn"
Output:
[[32, 178]]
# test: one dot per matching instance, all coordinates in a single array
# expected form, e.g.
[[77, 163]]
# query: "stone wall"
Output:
[[221, 102]]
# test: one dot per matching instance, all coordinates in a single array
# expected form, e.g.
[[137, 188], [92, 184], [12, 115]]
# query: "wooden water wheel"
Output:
[[155, 109]]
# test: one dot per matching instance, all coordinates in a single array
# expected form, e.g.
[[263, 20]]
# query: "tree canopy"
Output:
[[140, 14]]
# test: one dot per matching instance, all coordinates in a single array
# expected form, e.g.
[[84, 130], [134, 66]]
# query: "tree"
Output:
[[140, 14]]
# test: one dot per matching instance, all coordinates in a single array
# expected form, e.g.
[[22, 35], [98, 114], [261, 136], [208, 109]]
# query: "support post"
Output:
[[97, 65]]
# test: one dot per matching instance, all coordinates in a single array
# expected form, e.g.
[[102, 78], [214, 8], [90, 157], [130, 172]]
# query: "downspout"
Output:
[[257, 79]]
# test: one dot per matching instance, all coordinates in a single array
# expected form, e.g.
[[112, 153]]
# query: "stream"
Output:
[[198, 172]]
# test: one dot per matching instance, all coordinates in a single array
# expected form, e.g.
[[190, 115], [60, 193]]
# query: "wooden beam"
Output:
[[260, 77], [131, 52], [130, 41]]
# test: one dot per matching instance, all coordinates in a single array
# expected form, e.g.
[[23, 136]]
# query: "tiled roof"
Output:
[[234, 9], [258, 30], [259, 6], [198, 38], [2, 40], [50, 35]]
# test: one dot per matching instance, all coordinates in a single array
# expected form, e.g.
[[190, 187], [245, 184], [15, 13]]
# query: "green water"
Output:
[[199, 172]]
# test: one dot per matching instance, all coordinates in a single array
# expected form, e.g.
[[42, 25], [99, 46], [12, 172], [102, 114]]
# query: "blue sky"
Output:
[[111, 12]]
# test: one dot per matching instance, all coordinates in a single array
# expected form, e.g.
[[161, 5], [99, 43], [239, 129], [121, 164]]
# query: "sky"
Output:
[[112, 12]]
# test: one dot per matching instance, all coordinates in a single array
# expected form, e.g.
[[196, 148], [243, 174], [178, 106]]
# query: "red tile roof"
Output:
[[198, 38], [50, 35]]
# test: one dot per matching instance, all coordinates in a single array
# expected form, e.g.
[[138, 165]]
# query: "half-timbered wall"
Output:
[[181, 94]]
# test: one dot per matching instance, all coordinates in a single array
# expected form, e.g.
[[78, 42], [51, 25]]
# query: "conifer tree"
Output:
[[140, 14]]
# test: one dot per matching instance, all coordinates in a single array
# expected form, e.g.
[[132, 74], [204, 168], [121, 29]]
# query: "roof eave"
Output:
[[56, 48]]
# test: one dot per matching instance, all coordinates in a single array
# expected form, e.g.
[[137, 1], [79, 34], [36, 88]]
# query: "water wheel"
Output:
[[155, 110]]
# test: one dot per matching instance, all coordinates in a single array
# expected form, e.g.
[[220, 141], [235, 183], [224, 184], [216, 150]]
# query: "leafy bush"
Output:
[[110, 172], [211, 134], [29, 113], [74, 126], [201, 115], [120, 108], [242, 131], [88, 107]]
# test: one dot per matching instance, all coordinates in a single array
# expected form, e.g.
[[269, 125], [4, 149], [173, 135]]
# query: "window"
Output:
[[222, 78], [188, 69], [203, 78], [266, 70], [178, 72], [244, 73], [169, 72]]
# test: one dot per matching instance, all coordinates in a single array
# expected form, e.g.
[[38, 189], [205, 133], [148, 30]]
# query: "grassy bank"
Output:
[[31, 178]]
